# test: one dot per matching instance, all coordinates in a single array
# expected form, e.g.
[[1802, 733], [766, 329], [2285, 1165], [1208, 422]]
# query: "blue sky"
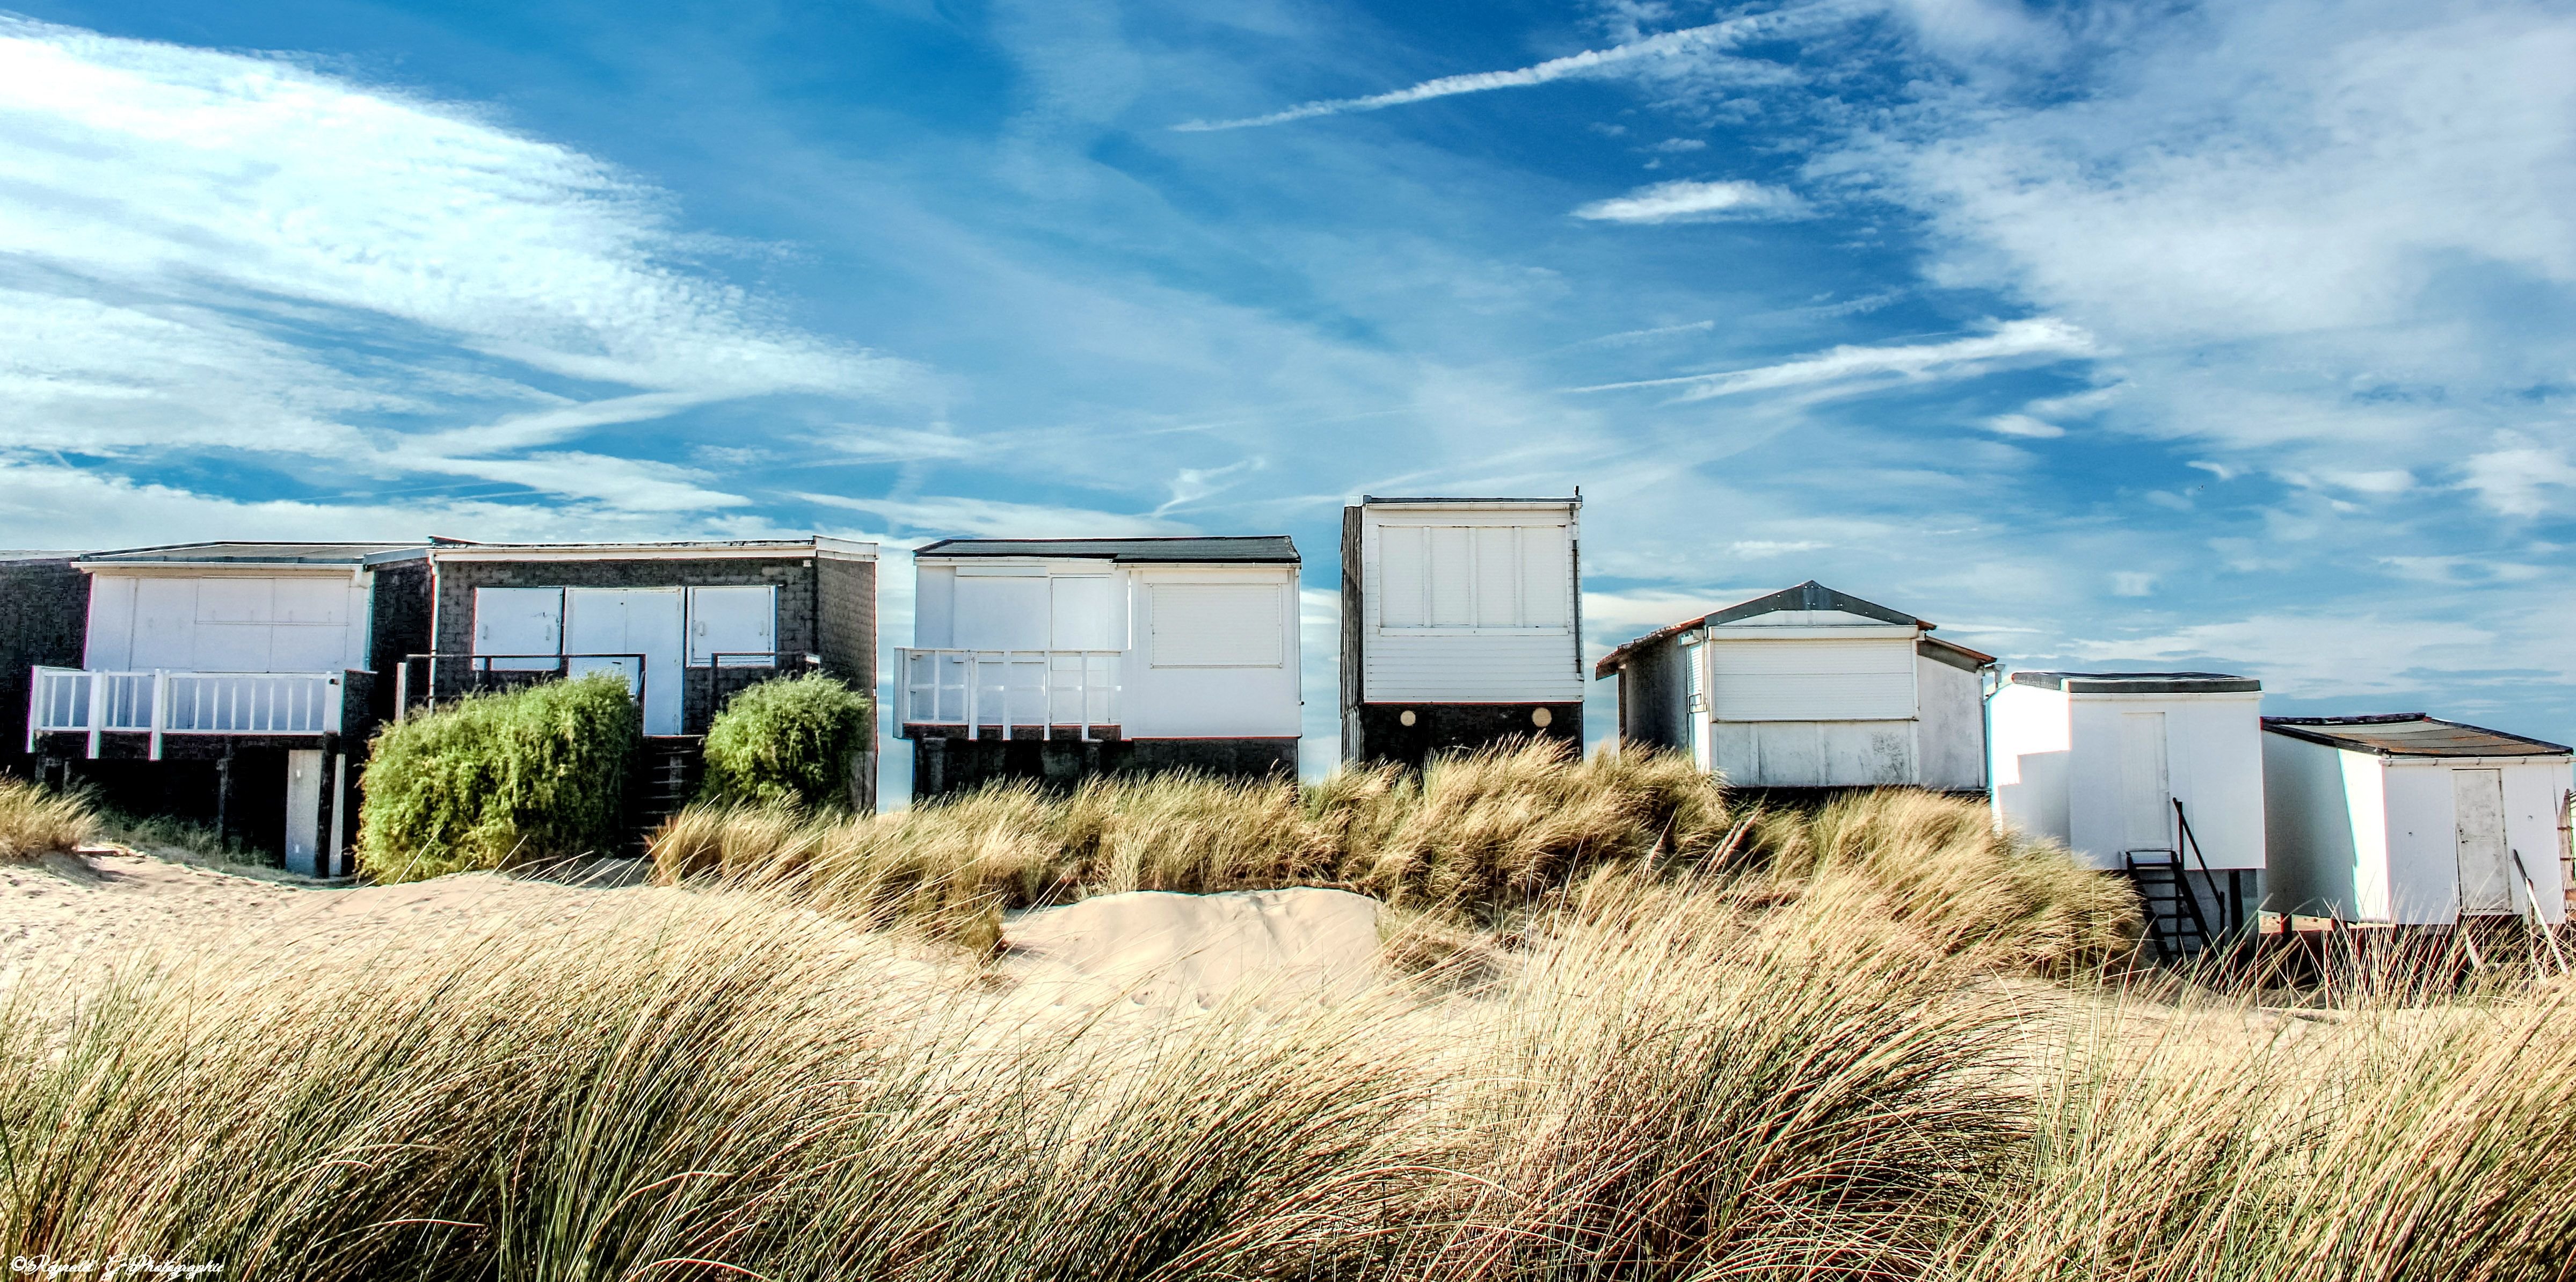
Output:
[[2236, 336]]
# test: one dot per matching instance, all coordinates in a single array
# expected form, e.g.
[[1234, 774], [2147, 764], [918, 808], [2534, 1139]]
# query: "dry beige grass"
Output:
[[1468, 845], [38, 821]]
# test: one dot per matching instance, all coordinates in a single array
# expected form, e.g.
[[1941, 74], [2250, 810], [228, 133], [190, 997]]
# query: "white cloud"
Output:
[[177, 224], [2132, 583], [1695, 46], [2023, 425], [990, 518], [2512, 479], [2041, 337], [1695, 202]]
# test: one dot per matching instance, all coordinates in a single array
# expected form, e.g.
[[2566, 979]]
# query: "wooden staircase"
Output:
[[667, 776]]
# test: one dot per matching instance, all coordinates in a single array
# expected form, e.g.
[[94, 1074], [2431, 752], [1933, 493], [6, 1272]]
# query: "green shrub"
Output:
[[498, 779], [787, 742]]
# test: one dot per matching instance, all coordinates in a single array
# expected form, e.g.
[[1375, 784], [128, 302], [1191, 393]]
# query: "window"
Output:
[[1218, 625], [1497, 577]]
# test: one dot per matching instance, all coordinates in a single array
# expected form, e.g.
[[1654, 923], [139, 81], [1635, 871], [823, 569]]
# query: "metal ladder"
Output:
[[2175, 924], [667, 780]]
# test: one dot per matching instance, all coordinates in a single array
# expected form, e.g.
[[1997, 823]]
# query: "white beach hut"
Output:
[[2158, 775], [2407, 820], [1808, 687]]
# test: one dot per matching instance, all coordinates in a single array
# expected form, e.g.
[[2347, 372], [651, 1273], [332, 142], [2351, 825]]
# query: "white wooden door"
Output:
[[1089, 613], [733, 627], [616, 626], [304, 812], [1001, 611], [2477, 809], [2146, 788], [165, 624], [519, 621]]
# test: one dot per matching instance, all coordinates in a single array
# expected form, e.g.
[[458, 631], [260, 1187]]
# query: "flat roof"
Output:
[[1236, 549], [446, 549], [2139, 682], [2412, 734], [249, 554], [1371, 500]]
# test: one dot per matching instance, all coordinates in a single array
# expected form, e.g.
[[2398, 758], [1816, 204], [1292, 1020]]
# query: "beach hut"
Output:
[[2409, 820], [1808, 687], [1054, 659], [2157, 775], [229, 684], [1462, 624]]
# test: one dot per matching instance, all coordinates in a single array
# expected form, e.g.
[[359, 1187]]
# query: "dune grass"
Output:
[[1469, 843], [35, 820], [1679, 1078], [1697, 1044]]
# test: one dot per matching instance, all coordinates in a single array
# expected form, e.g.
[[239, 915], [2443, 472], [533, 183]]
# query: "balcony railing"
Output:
[[160, 702], [1009, 689]]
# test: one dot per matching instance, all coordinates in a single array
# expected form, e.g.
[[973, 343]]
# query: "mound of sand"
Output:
[[1166, 951], [1149, 954]]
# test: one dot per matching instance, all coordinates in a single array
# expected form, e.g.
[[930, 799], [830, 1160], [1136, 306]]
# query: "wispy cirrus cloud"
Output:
[[2041, 337], [1687, 44], [992, 518], [234, 254], [1695, 202]]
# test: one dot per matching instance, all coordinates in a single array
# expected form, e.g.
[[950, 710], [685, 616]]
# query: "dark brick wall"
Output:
[[44, 618], [944, 766], [703, 690], [845, 610], [397, 626], [1458, 727]]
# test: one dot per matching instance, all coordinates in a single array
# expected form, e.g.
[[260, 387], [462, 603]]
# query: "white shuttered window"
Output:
[[1473, 576], [1811, 680], [1218, 625]]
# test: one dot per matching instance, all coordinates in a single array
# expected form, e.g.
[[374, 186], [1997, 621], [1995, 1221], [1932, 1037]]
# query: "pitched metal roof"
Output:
[[244, 554], [1809, 595], [2137, 682], [2412, 734], [1252, 549]]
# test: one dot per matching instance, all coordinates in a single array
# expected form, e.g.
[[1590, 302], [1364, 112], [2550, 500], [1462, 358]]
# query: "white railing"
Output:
[[157, 703], [1008, 688]]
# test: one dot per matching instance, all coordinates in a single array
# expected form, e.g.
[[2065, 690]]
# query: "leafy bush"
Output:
[[37, 821], [787, 742], [497, 779]]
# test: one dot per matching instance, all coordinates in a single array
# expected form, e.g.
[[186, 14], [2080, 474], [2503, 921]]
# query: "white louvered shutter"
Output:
[[1812, 680]]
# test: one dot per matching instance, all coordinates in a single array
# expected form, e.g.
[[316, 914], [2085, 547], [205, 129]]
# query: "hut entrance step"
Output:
[[667, 780], [2175, 923]]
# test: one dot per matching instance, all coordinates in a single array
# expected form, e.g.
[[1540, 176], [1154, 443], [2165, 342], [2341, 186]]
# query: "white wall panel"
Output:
[[1194, 701], [165, 624], [227, 623]]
